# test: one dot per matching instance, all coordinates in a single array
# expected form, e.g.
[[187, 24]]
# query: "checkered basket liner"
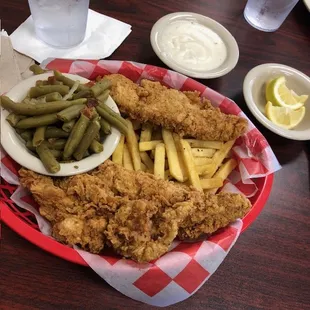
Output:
[[187, 266]]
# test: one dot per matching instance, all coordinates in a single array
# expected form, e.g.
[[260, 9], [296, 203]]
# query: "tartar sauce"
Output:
[[193, 46]]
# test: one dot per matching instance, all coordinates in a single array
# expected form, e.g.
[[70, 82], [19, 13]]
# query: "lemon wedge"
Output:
[[302, 98], [284, 117], [278, 93]]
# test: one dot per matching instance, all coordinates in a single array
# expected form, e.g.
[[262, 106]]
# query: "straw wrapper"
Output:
[[181, 272]]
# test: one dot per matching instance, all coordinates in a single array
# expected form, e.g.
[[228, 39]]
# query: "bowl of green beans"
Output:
[[60, 124]]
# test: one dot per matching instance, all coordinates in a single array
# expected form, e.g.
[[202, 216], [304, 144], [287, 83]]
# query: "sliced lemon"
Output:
[[284, 117], [302, 98], [278, 93]]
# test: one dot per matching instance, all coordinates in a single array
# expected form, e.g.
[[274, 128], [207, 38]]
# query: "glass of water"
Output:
[[268, 15], [60, 23]]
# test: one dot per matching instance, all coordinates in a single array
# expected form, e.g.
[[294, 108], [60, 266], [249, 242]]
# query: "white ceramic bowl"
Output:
[[15, 146], [254, 94], [307, 4], [230, 42]]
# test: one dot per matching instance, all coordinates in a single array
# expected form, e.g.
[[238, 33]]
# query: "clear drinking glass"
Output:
[[60, 23], [268, 15]]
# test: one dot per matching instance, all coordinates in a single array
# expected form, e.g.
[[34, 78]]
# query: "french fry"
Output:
[[172, 154], [159, 161], [127, 162], [166, 162], [136, 124], [145, 158], [190, 165], [204, 169], [177, 140], [224, 171], [229, 155], [117, 156], [200, 161], [219, 156], [146, 132], [200, 152], [213, 183], [148, 145], [133, 146], [143, 167], [205, 144]]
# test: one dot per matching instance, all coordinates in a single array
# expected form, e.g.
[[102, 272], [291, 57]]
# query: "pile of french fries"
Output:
[[202, 164]]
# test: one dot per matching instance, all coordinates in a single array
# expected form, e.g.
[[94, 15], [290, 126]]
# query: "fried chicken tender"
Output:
[[140, 232], [134, 212], [215, 212], [209, 212], [77, 207], [182, 112]]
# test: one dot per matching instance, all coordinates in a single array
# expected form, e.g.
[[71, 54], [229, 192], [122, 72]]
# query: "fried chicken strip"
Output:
[[182, 112], [136, 213], [78, 207], [139, 231], [209, 212]]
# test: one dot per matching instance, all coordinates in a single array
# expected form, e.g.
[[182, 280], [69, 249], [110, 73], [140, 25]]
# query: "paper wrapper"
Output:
[[187, 266]]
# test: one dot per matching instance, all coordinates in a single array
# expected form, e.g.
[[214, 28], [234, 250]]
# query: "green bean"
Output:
[[51, 80], [87, 93], [105, 126], [13, 119], [57, 144], [37, 121], [27, 135], [100, 87], [90, 134], [104, 96], [70, 113], [48, 159], [38, 91], [29, 101], [113, 119], [68, 125], [104, 84], [56, 153], [96, 147], [38, 109], [36, 69], [30, 146], [54, 132], [67, 81], [112, 113], [39, 83], [38, 136], [97, 137], [86, 154], [19, 131], [76, 136], [51, 97], [96, 90]]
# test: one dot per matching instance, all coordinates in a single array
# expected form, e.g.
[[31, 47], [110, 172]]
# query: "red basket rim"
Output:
[[52, 246]]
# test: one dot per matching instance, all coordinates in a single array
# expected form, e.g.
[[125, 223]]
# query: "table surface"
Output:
[[269, 266]]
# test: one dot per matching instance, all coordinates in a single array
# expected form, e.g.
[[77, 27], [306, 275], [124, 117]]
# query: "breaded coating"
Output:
[[182, 112], [134, 212]]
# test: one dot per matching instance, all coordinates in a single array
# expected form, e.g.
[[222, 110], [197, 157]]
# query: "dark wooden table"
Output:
[[269, 266]]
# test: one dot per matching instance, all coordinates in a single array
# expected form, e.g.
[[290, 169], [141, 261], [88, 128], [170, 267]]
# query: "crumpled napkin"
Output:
[[103, 36], [14, 66]]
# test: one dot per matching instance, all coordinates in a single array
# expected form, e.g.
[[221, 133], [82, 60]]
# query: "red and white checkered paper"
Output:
[[187, 266]]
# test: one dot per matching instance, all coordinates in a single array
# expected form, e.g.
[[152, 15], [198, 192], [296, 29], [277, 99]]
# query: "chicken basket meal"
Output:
[[163, 180]]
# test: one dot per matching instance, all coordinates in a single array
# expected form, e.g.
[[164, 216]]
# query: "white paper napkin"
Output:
[[13, 66], [103, 36]]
